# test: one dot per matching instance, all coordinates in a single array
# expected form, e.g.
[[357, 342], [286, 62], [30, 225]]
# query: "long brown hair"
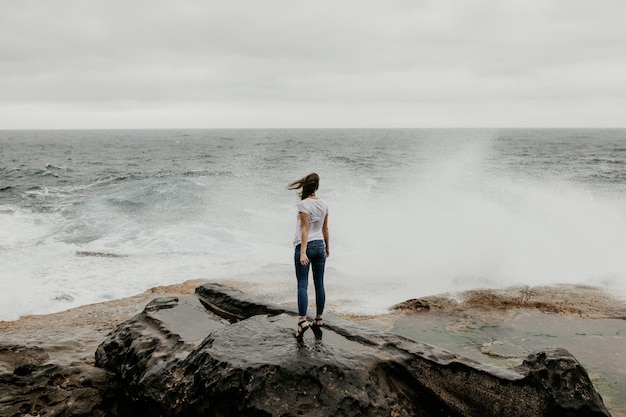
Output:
[[309, 185]]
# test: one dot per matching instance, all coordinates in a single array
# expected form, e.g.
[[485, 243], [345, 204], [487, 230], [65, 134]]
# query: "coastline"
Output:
[[502, 327], [493, 326], [74, 334]]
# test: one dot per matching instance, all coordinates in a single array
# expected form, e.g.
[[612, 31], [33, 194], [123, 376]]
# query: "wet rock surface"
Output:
[[220, 353], [46, 362], [37, 388], [577, 300]]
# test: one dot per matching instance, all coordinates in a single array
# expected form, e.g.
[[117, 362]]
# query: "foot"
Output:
[[303, 326], [317, 327]]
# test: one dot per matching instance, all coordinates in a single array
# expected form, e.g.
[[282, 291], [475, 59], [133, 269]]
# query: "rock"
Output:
[[38, 388], [46, 362], [15, 356], [575, 300], [221, 353]]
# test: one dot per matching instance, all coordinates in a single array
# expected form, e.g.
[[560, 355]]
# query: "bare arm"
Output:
[[326, 235], [304, 230]]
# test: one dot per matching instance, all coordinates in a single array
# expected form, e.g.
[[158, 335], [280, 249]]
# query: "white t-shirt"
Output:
[[317, 211]]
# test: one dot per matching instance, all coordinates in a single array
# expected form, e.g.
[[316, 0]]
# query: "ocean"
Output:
[[89, 216]]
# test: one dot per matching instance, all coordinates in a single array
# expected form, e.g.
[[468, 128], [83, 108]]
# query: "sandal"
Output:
[[302, 328], [316, 326]]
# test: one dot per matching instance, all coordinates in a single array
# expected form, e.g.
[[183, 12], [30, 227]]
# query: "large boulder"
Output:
[[221, 353]]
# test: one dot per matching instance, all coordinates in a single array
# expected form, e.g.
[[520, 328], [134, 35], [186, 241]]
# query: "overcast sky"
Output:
[[267, 63]]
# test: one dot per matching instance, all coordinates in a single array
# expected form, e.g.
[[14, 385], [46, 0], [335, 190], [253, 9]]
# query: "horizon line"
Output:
[[321, 128]]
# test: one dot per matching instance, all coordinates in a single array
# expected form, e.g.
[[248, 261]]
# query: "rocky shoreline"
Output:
[[574, 300], [55, 353], [501, 327]]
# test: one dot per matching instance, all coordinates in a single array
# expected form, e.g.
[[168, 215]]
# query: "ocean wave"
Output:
[[126, 204], [46, 173], [38, 190], [116, 178], [99, 254], [604, 178], [111, 179], [54, 167], [344, 160], [190, 173], [63, 297], [596, 161]]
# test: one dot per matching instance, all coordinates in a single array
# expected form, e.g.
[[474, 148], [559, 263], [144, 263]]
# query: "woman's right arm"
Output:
[[304, 230], [326, 235]]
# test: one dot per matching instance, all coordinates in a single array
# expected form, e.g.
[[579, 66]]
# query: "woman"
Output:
[[312, 248]]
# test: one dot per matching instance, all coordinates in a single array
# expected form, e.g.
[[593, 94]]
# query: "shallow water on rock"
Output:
[[505, 338]]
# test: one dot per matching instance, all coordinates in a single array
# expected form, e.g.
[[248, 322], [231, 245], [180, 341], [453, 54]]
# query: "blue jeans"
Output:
[[316, 251]]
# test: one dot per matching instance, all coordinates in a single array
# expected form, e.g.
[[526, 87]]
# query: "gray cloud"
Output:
[[98, 63]]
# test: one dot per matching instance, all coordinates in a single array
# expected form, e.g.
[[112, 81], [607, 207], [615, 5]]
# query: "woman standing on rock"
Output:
[[312, 248]]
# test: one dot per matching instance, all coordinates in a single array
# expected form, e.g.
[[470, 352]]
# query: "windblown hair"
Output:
[[309, 185]]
